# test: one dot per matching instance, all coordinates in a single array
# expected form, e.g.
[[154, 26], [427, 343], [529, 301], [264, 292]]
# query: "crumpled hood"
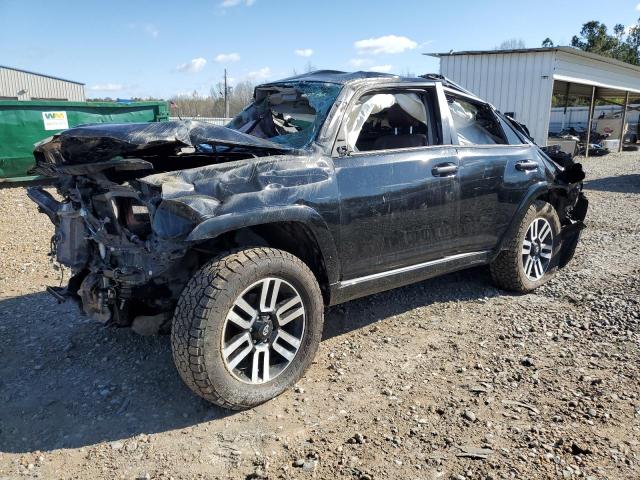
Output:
[[102, 142]]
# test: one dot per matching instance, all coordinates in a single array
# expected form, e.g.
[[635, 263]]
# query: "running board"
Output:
[[398, 277]]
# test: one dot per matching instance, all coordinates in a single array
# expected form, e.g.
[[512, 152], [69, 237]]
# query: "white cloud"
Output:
[[381, 68], [638, 7], [235, 3], [227, 57], [303, 52], [360, 62], [385, 44], [193, 66], [260, 74], [107, 87]]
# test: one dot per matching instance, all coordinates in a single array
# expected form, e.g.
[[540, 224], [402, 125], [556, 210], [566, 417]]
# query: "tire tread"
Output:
[[505, 269], [198, 301]]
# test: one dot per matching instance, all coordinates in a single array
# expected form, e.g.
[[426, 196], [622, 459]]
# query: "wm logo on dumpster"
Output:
[[55, 120]]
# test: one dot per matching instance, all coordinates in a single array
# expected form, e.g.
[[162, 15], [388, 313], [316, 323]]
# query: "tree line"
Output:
[[212, 105], [623, 43], [197, 105]]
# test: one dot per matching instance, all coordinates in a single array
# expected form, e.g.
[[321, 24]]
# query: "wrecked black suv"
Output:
[[329, 186]]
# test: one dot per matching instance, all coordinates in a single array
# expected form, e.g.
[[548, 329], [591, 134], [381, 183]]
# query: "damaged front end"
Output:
[[124, 240], [120, 268]]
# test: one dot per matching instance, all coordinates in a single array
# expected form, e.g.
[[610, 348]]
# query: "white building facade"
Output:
[[524, 81], [16, 84]]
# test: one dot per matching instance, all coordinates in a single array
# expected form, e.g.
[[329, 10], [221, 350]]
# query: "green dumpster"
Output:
[[23, 123]]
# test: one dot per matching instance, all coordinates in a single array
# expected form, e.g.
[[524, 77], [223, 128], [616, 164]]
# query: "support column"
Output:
[[624, 119], [566, 104], [590, 121]]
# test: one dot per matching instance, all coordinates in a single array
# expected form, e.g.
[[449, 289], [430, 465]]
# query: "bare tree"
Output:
[[196, 105], [511, 44]]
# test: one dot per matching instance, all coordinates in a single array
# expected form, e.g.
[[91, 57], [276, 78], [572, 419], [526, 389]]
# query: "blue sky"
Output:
[[161, 48]]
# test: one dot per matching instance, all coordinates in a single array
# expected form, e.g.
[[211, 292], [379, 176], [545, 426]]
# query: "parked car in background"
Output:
[[329, 186]]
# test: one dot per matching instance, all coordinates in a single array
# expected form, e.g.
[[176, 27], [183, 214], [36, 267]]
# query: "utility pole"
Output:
[[226, 95]]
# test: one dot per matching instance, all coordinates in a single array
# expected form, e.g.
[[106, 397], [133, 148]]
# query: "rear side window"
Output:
[[475, 123], [512, 136]]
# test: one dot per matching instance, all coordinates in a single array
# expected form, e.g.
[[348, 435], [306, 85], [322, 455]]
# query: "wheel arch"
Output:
[[537, 191], [299, 230], [555, 195]]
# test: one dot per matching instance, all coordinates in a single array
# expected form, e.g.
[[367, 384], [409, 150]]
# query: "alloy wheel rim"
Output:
[[537, 249], [263, 331]]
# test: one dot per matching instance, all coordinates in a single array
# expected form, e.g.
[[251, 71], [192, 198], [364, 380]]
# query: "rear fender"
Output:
[[569, 233], [534, 191]]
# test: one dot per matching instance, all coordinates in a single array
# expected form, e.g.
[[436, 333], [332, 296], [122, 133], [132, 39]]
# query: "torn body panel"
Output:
[[132, 241], [102, 142]]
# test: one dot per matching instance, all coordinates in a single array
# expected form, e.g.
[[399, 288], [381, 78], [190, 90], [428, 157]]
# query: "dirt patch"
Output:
[[449, 378]]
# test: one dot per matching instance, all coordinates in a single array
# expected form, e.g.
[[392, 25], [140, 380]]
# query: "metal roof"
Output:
[[564, 49], [40, 74]]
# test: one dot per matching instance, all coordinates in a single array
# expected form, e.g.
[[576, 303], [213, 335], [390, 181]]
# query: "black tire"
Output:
[[507, 270], [198, 324]]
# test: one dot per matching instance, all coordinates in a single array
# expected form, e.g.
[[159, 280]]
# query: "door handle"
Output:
[[444, 170], [526, 165]]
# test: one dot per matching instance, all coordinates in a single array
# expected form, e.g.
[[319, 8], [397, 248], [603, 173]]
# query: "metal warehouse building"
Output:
[[18, 84], [545, 87]]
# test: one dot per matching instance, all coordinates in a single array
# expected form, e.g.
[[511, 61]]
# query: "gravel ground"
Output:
[[449, 378]]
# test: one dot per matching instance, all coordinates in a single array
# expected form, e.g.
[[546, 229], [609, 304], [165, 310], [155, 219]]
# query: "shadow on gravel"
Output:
[[66, 381], [471, 284], [620, 184]]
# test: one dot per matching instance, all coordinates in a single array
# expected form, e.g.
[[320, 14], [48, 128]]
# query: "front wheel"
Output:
[[247, 326], [527, 261]]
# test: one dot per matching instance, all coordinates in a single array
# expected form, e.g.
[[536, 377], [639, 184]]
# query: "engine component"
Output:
[[96, 294], [70, 242]]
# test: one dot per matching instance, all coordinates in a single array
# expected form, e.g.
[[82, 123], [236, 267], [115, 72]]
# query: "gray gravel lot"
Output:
[[449, 378]]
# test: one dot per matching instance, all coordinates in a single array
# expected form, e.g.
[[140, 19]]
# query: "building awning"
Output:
[[582, 86]]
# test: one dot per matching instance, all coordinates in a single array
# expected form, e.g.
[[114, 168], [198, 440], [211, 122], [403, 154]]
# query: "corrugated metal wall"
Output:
[[517, 82], [15, 84]]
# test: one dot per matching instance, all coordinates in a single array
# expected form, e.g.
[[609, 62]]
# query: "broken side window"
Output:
[[475, 123]]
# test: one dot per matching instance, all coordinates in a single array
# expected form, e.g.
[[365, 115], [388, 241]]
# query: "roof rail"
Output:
[[447, 82]]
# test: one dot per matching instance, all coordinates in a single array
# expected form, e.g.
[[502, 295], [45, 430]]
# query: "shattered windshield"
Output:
[[289, 114]]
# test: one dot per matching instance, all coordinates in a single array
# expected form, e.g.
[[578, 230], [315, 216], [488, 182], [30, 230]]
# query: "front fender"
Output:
[[218, 225]]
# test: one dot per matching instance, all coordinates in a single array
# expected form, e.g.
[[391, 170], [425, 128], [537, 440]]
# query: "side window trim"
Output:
[[505, 125], [449, 134]]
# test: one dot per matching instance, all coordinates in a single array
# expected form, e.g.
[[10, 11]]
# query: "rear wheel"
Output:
[[527, 263], [247, 326]]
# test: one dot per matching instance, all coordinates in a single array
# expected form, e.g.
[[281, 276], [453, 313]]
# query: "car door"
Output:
[[496, 170], [398, 194]]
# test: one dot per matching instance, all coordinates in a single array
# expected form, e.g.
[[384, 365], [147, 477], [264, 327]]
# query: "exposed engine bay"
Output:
[[124, 238]]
